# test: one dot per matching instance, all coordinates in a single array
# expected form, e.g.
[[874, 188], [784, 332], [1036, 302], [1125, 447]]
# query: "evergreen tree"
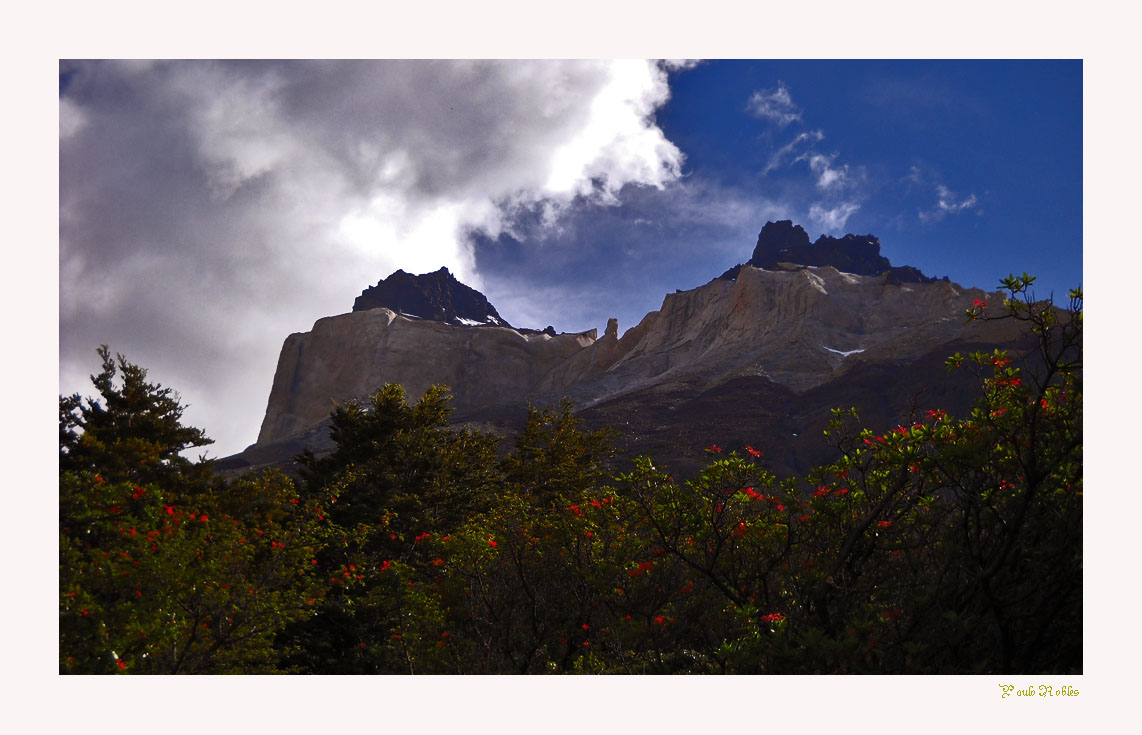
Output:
[[132, 432], [164, 568]]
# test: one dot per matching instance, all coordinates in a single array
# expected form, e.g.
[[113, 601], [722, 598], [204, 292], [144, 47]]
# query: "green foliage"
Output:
[[950, 545], [399, 477], [162, 568], [132, 433], [554, 458]]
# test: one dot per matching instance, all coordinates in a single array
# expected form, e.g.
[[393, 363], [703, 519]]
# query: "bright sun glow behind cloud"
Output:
[[208, 209]]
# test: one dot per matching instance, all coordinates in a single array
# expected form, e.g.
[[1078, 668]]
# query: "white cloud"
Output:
[[775, 105], [832, 219], [785, 153], [946, 204], [617, 144], [208, 209], [828, 177]]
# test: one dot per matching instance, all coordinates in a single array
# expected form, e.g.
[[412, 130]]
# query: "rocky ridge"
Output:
[[783, 334], [783, 244]]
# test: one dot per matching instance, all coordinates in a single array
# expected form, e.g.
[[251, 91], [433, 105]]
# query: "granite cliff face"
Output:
[[801, 323], [352, 355], [798, 326]]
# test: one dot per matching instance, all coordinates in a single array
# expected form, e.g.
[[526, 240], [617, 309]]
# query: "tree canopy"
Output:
[[952, 544]]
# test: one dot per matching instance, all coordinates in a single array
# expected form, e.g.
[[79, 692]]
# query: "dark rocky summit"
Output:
[[784, 242], [758, 356], [436, 296]]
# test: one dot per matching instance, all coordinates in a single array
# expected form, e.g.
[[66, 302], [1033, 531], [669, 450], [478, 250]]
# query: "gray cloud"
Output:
[[208, 209]]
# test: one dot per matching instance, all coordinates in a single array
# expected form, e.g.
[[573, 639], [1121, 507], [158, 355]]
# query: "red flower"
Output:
[[713, 449], [203, 518], [660, 620], [884, 524], [753, 452], [773, 618], [584, 626], [121, 664], [492, 542], [422, 537], [437, 561]]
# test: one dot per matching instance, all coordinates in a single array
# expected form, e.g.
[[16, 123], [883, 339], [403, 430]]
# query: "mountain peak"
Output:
[[436, 296], [778, 238], [785, 242]]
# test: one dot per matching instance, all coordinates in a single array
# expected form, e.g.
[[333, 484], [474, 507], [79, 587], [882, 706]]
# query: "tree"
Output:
[[163, 568], [554, 458], [400, 476], [132, 432]]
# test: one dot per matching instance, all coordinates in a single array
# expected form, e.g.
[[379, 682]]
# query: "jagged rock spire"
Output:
[[785, 242], [437, 296]]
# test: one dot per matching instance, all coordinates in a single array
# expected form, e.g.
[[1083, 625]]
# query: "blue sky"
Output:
[[967, 169], [209, 209]]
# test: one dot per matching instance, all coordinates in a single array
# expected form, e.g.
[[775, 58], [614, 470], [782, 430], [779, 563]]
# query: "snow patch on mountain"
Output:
[[843, 353]]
